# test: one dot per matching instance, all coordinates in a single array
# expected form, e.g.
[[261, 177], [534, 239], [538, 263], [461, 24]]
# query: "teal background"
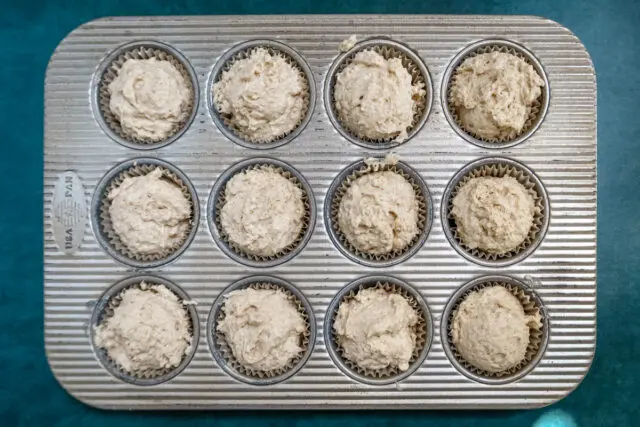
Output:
[[29, 32]]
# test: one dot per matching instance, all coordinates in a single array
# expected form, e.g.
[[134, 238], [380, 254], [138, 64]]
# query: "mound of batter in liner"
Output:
[[262, 96], [263, 212], [493, 94], [263, 328], [150, 98], [375, 97], [490, 329], [493, 214], [378, 213], [376, 330], [148, 331], [149, 213]]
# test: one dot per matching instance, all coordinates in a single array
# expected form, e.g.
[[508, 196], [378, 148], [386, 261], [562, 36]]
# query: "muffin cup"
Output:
[[411, 62], [338, 189], [424, 330], [538, 110], [497, 167], [242, 51], [101, 217], [223, 354], [217, 200], [538, 338], [104, 310], [109, 70]]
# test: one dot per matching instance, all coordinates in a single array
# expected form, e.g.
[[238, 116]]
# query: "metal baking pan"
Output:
[[561, 153]]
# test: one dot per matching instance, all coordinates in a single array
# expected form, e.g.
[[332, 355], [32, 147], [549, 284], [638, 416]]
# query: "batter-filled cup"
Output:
[[537, 110], [422, 330], [224, 120], [340, 187], [104, 310], [420, 77], [497, 167], [101, 204], [218, 199], [538, 332], [110, 70], [222, 351]]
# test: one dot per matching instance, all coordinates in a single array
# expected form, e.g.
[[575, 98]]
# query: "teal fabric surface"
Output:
[[29, 395]]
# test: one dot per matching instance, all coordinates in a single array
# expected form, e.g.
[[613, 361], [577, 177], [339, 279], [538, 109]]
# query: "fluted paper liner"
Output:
[[106, 226], [387, 52], [420, 329], [107, 313], [111, 72], [499, 170], [306, 219], [536, 108], [226, 119], [227, 353], [536, 335], [339, 193]]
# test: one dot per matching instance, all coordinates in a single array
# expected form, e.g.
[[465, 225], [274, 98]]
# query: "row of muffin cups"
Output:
[[423, 330], [498, 167], [387, 48]]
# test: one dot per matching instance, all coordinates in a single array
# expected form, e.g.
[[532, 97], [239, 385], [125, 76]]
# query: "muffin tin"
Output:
[[81, 151]]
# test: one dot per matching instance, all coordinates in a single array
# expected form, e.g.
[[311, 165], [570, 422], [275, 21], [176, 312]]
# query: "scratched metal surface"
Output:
[[562, 153]]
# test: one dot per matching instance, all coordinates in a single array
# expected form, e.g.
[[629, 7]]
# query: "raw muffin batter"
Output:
[[493, 94], [493, 214], [263, 96], [263, 212], [378, 213], [150, 98], [346, 44], [149, 214], [376, 329], [374, 97], [149, 330], [490, 329], [262, 327]]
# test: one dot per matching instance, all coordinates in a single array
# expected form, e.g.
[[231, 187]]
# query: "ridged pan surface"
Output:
[[78, 153]]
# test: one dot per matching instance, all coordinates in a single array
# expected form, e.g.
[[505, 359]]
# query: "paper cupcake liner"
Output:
[[275, 49], [419, 75], [421, 330], [306, 224], [499, 170], [536, 335], [106, 227], [422, 198], [227, 354], [142, 51], [151, 376], [537, 108]]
